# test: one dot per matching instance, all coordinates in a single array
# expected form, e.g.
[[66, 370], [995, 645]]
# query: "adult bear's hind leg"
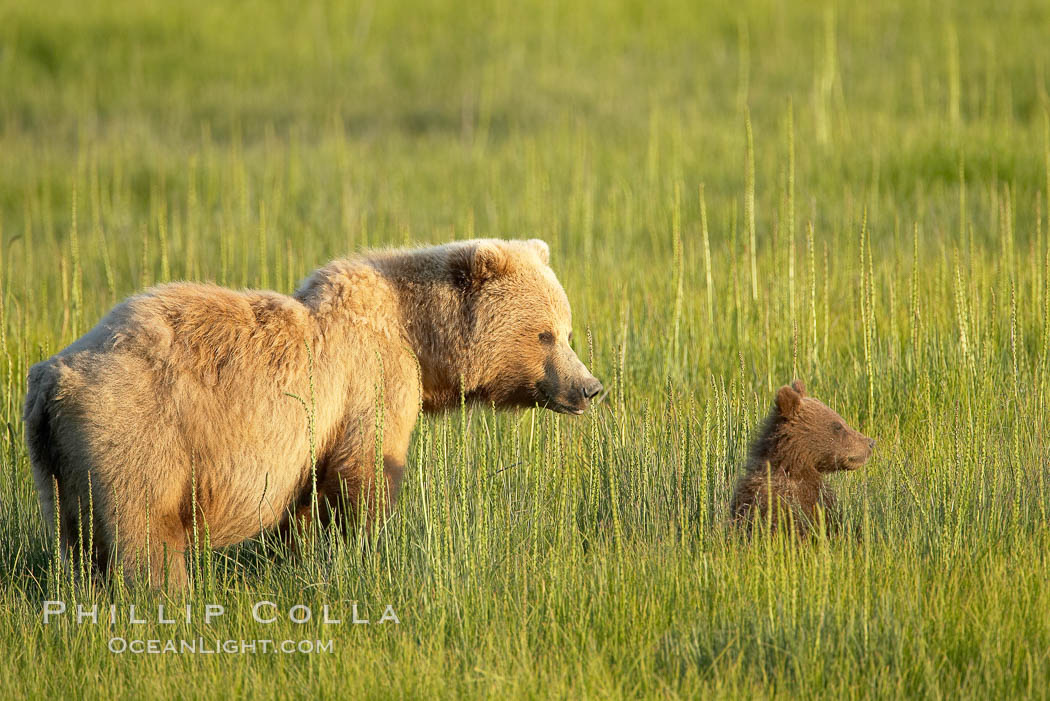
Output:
[[155, 556]]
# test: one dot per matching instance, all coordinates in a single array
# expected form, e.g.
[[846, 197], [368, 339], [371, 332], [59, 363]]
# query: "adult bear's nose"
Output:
[[591, 388], [871, 443]]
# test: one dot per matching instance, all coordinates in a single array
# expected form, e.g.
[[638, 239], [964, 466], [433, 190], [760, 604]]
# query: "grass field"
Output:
[[851, 193]]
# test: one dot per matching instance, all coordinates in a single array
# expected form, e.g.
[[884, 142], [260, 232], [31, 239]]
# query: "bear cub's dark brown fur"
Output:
[[783, 483]]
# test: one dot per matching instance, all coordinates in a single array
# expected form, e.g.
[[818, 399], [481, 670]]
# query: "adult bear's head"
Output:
[[519, 328]]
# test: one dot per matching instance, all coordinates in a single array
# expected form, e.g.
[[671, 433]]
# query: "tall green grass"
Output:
[[853, 194]]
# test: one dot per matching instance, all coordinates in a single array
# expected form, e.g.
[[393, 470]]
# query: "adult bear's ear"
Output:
[[541, 248], [799, 387], [487, 261], [788, 401]]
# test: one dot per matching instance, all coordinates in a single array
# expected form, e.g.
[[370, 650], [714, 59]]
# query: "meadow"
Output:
[[855, 194]]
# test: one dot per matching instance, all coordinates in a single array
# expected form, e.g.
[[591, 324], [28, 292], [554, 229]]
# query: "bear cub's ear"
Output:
[[799, 387], [487, 261], [541, 248], [788, 400]]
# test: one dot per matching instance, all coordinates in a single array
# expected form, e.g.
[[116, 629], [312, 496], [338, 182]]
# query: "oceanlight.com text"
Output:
[[215, 646]]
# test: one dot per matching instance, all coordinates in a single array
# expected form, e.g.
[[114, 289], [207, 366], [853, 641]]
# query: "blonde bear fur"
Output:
[[180, 395]]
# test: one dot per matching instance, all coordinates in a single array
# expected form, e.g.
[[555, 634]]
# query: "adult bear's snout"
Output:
[[591, 388]]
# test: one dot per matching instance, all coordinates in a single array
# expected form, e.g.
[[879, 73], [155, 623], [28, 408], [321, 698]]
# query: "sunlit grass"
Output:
[[857, 196]]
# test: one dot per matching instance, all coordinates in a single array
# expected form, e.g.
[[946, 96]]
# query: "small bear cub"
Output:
[[800, 441]]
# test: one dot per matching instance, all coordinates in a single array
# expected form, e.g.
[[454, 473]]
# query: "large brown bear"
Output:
[[180, 395], [800, 442]]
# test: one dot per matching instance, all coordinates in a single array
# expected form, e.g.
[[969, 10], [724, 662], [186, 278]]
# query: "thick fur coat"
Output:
[[783, 483], [181, 395]]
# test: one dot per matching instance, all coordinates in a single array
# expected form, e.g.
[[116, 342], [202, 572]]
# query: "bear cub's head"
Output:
[[521, 329], [804, 431]]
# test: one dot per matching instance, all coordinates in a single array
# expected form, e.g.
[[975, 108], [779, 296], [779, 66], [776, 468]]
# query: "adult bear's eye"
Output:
[[839, 427], [547, 337]]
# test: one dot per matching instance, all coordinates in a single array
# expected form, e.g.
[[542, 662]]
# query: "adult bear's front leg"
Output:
[[348, 496]]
